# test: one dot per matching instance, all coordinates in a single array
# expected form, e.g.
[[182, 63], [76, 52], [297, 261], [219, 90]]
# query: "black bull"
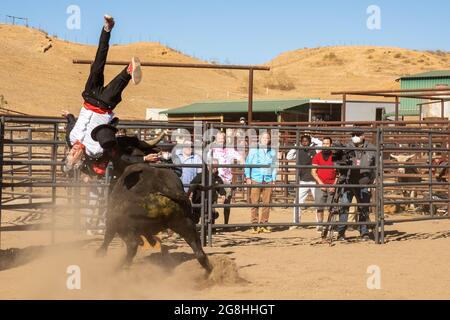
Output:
[[146, 201]]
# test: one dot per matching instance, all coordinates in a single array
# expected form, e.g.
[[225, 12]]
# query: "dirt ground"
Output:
[[285, 264]]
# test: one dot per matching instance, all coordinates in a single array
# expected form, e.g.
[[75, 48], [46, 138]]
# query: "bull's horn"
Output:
[[395, 157], [156, 140]]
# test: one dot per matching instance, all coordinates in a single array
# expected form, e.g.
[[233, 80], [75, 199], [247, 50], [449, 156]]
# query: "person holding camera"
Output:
[[358, 157]]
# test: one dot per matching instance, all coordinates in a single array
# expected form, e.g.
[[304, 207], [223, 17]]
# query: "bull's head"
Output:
[[402, 159]]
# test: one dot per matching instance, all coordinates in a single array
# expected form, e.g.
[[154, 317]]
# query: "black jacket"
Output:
[[196, 190], [304, 157], [131, 150], [359, 157]]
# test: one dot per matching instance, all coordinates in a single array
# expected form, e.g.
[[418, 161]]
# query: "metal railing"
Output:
[[33, 148]]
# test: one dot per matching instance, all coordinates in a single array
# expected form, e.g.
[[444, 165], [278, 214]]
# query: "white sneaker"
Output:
[[109, 23], [135, 70]]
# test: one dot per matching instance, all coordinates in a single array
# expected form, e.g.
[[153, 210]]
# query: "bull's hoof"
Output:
[[123, 267], [100, 253], [208, 268], [164, 250]]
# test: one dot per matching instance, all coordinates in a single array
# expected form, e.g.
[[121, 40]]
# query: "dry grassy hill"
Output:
[[38, 79], [38, 76], [317, 72]]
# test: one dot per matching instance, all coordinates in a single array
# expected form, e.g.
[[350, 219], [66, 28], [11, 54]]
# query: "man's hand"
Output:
[[151, 158], [248, 181], [320, 182]]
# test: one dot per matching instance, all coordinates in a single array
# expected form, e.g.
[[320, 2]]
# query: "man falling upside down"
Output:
[[99, 102]]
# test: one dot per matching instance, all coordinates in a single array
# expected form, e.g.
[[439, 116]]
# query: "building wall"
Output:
[[407, 104], [155, 114], [366, 111], [435, 110]]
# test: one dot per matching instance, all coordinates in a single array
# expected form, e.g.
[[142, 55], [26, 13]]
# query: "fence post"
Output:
[[430, 172], [54, 166], [2, 136], [377, 189], [11, 157], [297, 178], [448, 162], [77, 197], [30, 169], [106, 189], [209, 183], [210, 195], [380, 176], [203, 208]]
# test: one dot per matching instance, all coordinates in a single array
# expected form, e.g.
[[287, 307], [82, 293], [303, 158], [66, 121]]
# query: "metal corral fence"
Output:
[[43, 198]]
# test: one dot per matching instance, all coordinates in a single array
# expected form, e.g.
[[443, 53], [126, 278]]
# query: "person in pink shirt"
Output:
[[225, 155]]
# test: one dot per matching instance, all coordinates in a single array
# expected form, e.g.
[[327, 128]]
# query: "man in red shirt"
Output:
[[323, 177]]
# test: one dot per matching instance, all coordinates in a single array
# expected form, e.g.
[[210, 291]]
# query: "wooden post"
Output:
[[448, 169], [344, 108], [2, 133], [250, 96], [397, 108]]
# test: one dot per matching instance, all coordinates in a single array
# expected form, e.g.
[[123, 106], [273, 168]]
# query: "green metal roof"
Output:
[[241, 106], [430, 74]]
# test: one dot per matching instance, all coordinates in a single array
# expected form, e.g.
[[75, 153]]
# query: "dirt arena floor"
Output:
[[285, 264]]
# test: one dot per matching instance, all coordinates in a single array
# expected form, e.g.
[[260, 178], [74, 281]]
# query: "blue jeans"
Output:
[[362, 196]]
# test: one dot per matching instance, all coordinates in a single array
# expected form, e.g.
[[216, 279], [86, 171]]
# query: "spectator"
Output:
[[195, 190], [225, 155], [187, 156], [122, 132], [262, 155], [305, 177], [324, 176], [360, 157]]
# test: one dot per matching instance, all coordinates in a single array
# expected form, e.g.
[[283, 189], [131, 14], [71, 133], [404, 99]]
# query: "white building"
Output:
[[156, 114]]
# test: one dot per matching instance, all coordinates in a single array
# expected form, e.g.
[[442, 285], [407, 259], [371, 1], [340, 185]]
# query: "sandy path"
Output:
[[282, 265]]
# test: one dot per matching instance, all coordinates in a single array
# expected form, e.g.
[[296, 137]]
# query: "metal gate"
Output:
[[32, 149]]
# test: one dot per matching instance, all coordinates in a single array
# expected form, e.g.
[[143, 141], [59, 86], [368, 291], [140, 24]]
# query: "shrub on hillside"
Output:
[[279, 81], [331, 59]]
